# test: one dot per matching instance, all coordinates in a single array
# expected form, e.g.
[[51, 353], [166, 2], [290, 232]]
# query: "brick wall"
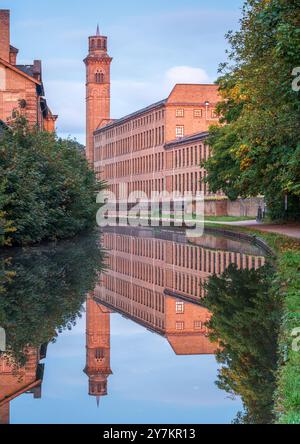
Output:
[[238, 208]]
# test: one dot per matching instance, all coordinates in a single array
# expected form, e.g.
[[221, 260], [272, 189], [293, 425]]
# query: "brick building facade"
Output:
[[140, 150], [21, 86]]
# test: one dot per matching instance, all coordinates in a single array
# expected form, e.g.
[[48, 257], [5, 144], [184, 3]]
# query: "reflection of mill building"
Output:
[[168, 263], [15, 381], [157, 279]]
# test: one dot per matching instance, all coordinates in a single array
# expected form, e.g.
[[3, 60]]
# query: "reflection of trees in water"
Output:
[[245, 321], [43, 290]]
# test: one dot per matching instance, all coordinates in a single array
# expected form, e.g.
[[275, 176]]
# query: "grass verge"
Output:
[[287, 397]]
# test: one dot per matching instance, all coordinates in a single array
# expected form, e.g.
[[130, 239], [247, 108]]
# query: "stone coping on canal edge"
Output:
[[232, 234], [253, 238]]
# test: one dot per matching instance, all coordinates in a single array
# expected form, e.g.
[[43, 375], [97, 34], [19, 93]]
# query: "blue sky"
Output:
[[154, 45], [149, 384]]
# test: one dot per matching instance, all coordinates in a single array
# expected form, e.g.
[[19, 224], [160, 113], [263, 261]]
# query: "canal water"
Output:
[[113, 328]]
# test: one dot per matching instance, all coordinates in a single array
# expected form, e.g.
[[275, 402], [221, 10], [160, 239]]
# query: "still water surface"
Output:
[[131, 337]]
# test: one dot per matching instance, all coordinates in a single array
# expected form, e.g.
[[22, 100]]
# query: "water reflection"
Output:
[[155, 278], [246, 318], [42, 293]]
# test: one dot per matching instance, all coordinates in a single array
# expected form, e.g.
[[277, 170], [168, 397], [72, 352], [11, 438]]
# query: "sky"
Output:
[[149, 384], [155, 44]]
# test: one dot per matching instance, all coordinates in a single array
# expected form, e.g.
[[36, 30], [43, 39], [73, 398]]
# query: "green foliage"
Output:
[[47, 190], [245, 322], [288, 395], [43, 290], [258, 150]]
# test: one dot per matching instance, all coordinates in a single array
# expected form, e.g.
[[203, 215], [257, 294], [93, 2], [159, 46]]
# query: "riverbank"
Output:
[[287, 250]]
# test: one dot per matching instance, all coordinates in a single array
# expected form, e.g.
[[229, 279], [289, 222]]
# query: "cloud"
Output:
[[130, 95], [186, 74]]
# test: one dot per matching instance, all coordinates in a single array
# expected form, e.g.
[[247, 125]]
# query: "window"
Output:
[[99, 354], [180, 131], [180, 113], [198, 325], [214, 114], [198, 113], [179, 307], [179, 326], [99, 77]]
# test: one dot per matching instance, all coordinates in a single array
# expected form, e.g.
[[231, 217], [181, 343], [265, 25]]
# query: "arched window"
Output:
[[99, 353], [99, 77]]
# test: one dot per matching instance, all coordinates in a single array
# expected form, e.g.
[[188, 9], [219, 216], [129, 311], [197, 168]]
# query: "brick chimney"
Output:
[[5, 35]]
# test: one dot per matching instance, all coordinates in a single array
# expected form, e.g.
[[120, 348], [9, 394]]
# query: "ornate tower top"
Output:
[[97, 43], [98, 348]]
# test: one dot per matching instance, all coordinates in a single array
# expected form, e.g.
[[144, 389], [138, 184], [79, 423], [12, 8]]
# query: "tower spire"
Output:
[[98, 31]]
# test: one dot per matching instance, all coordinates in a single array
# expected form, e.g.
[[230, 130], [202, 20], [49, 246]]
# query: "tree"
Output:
[[256, 150], [47, 190], [245, 322]]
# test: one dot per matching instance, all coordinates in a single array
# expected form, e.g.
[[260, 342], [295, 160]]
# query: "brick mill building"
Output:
[[21, 86], [158, 148]]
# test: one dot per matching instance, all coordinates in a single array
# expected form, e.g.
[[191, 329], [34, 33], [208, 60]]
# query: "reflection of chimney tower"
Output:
[[97, 348]]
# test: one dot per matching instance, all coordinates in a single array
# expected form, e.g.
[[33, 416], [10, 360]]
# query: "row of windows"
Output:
[[198, 325], [149, 248], [207, 261], [155, 320], [150, 118], [134, 124], [139, 165], [183, 183], [140, 295], [198, 113], [189, 285], [138, 270], [190, 182], [148, 187], [190, 156], [137, 142]]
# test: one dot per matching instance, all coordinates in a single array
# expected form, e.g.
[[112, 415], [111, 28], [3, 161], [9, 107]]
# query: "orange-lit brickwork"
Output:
[[21, 87]]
